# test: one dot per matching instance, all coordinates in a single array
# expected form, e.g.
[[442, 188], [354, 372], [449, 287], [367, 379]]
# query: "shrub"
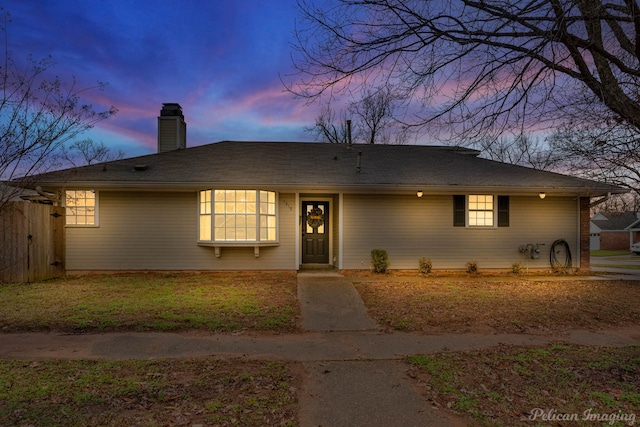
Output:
[[516, 267], [425, 265], [472, 267], [379, 260]]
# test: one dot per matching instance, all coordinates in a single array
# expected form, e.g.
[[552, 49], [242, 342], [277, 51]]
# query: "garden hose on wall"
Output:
[[557, 248]]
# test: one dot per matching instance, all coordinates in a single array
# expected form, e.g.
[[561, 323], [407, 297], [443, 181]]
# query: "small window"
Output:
[[237, 216], [480, 210], [80, 206], [205, 215], [267, 216]]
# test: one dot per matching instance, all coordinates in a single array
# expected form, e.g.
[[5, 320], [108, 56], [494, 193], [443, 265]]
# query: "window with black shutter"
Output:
[[459, 211], [480, 211], [503, 211]]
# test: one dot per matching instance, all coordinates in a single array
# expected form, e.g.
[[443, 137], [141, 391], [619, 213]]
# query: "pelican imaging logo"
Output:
[[539, 414]]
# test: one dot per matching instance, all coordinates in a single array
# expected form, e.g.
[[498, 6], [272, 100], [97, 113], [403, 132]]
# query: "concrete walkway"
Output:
[[354, 374], [329, 302], [303, 347]]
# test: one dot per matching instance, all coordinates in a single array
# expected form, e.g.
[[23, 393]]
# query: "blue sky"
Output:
[[220, 60]]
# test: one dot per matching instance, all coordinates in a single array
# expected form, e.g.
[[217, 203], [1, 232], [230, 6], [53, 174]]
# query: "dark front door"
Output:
[[315, 232]]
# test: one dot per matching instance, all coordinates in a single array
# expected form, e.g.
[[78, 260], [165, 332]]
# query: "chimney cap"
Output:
[[171, 109]]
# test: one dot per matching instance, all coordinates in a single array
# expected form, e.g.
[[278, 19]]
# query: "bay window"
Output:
[[237, 216]]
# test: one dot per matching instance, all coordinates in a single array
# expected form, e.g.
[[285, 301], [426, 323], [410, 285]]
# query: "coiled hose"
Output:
[[555, 251]]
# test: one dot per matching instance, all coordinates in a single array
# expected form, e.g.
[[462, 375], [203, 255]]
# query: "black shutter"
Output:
[[503, 211], [459, 211]]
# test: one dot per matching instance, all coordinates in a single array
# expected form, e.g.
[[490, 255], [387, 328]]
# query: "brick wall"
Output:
[[613, 240]]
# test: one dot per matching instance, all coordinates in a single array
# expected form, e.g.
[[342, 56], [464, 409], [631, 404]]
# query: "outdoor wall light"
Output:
[[419, 193], [542, 195]]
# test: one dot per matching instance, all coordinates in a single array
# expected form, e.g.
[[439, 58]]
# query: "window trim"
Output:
[[492, 210], [501, 211], [238, 243], [96, 210]]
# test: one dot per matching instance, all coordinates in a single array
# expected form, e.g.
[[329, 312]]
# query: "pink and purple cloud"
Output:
[[222, 61]]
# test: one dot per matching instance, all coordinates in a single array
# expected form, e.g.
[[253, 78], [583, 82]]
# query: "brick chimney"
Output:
[[172, 129]]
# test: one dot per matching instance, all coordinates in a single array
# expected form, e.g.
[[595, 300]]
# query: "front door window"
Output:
[[315, 233]]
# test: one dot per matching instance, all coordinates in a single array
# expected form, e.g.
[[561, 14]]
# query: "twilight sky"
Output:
[[220, 60]]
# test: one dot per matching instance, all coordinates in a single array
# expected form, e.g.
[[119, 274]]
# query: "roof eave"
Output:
[[336, 188]]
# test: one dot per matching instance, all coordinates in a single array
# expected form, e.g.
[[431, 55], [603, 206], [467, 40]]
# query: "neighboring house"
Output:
[[615, 230], [287, 205]]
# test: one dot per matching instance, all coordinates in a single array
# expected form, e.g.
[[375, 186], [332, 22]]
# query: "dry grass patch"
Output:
[[439, 305], [147, 393], [221, 302], [517, 386]]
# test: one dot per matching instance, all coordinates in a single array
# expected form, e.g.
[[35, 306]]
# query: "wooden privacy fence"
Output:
[[31, 242]]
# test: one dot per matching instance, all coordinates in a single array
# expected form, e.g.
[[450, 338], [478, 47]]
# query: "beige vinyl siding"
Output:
[[409, 228], [158, 231], [335, 216]]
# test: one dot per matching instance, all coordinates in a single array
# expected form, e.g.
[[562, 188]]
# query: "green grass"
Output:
[[604, 252], [146, 393], [631, 266], [501, 386], [160, 302]]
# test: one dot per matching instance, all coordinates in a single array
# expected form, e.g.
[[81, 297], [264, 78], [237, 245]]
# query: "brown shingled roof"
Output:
[[321, 167]]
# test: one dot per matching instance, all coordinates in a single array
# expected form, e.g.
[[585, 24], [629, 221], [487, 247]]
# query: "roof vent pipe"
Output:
[[349, 132], [359, 162]]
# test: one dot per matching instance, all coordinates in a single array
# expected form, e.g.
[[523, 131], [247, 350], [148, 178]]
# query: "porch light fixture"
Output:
[[419, 193], [542, 195]]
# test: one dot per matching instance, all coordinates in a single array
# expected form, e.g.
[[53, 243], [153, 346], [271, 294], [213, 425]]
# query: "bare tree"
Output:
[[606, 152], [87, 152], [477, 67], [328, 128], [522, 150], [619, 203], [375, 113], [372, 116], [38, 115]]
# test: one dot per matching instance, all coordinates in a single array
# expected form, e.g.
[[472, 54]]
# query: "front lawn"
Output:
[[146, 393], [502, 386], [555, 385], [503, 305], [221, 302]]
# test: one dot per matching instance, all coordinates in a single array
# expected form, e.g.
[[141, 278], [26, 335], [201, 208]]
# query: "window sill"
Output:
[[255, 245]]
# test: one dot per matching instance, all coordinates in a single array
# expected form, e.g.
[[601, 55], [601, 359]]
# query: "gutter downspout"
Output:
[[600, 200]]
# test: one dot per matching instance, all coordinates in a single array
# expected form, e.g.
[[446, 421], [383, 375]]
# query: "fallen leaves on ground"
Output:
[[455, 305], [521, 386], [232, 392]]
